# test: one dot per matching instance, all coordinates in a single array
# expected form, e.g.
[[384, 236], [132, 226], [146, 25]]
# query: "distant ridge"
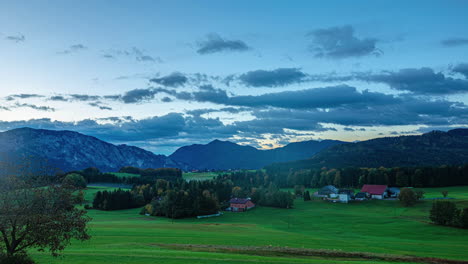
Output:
[[434, 148], [68, 150], [223, 155]]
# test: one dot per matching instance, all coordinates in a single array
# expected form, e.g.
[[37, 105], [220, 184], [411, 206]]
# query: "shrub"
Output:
[[74, 180], [444, 193], [464, 218], [444, 213], [407, 197]]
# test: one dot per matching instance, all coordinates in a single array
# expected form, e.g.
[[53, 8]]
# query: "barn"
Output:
[[241, 204], [375, 191]]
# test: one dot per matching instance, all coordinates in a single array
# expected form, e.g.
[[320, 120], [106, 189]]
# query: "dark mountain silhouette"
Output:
[[67, 150], [431, 149], [222, 155]]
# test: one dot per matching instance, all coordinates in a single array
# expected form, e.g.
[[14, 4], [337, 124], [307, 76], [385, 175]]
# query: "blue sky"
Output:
[[162, 74]]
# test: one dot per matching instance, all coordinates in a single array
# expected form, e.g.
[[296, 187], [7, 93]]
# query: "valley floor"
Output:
[[375, 227]]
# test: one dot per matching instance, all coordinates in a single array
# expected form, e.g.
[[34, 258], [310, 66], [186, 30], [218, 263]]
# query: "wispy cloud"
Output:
[[215, 43], [16, 38]]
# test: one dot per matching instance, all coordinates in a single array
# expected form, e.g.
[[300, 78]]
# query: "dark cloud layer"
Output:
[[273, 78], [215, 43], [420, 81], [461, 69], [341, 42]]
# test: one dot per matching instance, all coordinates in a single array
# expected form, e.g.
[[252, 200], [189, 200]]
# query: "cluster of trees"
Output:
[[178, 199], [74, 180], [446, 213], [354, 177], [117, 200], [184, 199]]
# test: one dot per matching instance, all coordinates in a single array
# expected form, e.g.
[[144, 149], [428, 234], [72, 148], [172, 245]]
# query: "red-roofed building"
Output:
[[241, 204], [375, 191]]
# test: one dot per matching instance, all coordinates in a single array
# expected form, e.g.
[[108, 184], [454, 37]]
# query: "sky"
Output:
[[164, 74]]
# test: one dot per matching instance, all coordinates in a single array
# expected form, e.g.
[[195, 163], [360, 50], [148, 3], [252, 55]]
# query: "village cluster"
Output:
[[368, 191], [332, 194]]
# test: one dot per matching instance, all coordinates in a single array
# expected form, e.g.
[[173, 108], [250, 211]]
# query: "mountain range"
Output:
[[68, 150], [435, 148], [222, 155]]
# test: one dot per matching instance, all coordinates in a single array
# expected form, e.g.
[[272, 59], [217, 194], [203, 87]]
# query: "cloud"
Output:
[[462, 69], [454, 42], [4, 108], [341, 42], [326, 97], [215, 43], [58, 98], [166, 99], [16, 38], [138, 95], [100, 106], [74, 49], [273, 78], [22, 96], [36, 107], [420, 81], [172, 80], [134, 52], [84, 97]]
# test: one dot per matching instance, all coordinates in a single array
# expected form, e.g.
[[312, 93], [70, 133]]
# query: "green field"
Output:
[[200, 176], [123, 174], [381, 227]]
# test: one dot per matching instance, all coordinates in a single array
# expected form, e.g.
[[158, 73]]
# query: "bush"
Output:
[[74, 180], [16, 259], [444, 213], [464, 218], [408, 197]]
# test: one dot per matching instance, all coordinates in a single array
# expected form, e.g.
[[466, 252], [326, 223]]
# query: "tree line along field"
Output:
[[378, 227]]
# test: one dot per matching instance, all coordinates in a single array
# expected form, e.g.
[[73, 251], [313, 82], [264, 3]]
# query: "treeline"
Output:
[[356, 177], [93, 175], [446, 213]]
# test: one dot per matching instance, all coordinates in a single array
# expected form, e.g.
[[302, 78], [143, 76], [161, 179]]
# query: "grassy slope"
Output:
[[374, 226]]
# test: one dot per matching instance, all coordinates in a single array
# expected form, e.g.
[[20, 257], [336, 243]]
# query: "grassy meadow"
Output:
[[381, 227]]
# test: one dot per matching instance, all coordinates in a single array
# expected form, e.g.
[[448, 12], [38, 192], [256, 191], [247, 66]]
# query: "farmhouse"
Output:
[[241, 204], [375, 191]]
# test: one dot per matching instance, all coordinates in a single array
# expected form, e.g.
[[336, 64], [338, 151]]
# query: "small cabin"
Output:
[[375, 191], [241, 204]]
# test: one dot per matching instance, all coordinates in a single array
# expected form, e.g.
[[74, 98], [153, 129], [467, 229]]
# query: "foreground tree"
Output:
[[38, 215]]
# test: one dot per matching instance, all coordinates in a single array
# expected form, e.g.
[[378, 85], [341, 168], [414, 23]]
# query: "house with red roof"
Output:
[[375, 191], [241, 204]]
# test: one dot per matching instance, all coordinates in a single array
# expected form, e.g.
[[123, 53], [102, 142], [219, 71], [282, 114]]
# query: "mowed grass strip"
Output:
[[379, 227], [296, 252]]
